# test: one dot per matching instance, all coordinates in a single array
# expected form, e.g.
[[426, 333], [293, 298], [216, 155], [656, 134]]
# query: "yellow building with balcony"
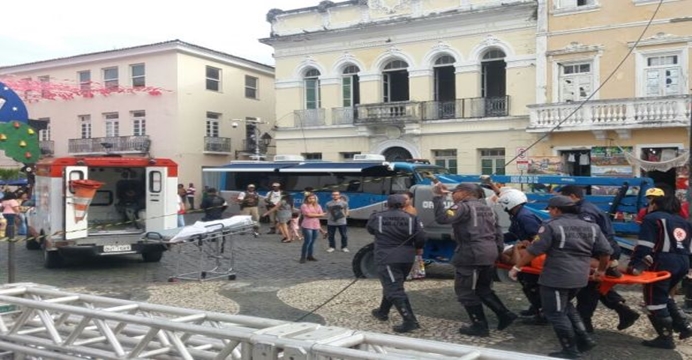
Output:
[[630, 60], [445, 80]]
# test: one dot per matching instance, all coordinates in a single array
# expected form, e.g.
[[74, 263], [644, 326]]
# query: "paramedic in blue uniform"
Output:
[[523, 229], [663, 245], [479, 244], [569, 243], [587, 299], [398, 237]]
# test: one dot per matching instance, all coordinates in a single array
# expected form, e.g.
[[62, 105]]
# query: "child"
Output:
[[295, 227]]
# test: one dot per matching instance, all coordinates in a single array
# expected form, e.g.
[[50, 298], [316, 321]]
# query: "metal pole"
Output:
[[10, 261], [257, 143], [689, 167]]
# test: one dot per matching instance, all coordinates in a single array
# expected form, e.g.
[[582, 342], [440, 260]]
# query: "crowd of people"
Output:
[[575, 250], [14, 206]]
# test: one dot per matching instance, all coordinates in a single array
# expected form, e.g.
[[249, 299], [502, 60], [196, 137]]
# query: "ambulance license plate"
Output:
[[116, 248]]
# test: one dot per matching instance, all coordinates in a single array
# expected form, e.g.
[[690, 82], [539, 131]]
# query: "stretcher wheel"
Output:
[[203, 274], [363, 263], [231, 277], [172, 279]]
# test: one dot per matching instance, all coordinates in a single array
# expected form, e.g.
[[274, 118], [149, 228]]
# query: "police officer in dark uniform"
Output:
[[664, 245], [213, 206], [569, 243], [479, 244], [399, 237], [587, 299], [523, 228]]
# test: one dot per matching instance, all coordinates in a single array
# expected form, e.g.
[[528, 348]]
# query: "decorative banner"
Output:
[[17, 138], [611, 161], [546, 165]]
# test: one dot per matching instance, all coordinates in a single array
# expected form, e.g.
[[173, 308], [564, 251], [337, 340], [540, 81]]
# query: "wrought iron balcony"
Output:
[[219, 145], [612, 114], [110, 145], [308, 118], [344, 115], [388, 113], [46, 147], [466, 108]]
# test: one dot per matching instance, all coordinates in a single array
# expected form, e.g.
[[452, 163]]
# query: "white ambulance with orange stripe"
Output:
[[136, 195]]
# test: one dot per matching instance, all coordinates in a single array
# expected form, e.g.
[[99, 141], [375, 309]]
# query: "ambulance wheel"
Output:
[[33, 245], [364, 262], [52, 259], [153, 256]]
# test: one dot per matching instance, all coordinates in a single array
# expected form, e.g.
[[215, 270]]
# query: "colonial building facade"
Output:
[[446, 80], [630, 60], [173, 99]]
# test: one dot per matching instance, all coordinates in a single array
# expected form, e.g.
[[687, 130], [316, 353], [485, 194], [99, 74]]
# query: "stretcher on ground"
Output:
[[608, 282], [206, 246]]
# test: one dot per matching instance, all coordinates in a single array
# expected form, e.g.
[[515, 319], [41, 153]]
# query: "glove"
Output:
[[513, 272]]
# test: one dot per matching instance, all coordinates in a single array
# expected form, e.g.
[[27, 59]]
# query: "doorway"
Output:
[[577, 162]]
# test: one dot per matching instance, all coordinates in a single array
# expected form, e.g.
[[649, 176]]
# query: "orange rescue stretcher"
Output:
[[608, 282]]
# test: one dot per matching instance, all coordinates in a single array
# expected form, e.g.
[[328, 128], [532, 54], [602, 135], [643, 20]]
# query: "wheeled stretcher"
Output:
[[206, 246]]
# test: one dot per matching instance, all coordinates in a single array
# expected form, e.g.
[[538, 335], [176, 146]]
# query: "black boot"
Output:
[[479, 325], [569, 346], [680, 323], [588, 325], [382, 312], [504, 316], [531, 291], [664, 329], [626, 315], [584, 340], [410, 323], [530, 312]]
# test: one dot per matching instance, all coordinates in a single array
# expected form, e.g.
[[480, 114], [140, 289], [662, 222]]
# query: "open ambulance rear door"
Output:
[[160, 200], [74, 229]]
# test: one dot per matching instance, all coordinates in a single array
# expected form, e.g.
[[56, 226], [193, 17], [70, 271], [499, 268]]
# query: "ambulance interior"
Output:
[[119, 206]]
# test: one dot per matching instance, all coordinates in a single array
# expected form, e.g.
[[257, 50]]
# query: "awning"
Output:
[[248, 167], [328, 167], [16, 182]]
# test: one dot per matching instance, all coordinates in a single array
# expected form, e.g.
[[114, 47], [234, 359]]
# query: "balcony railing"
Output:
[[612, 114], [110, 145], [344, 115], [466, 108], [215, 144], [46, 147], [385, 113], [308, 117]]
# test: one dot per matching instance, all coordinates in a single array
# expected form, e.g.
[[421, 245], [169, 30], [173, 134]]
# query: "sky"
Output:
[[38, 30]]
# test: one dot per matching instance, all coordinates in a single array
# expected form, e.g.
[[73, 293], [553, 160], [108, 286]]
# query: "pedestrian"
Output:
[[337, 213], [663, 245], [409, 207], [294, 226], [249, 202], [523, 227], [654, 192], [10, 209], [181, 211], [312, 212], [479, 244], [270, 201], [282, 212], [569, 243], [190, 194], [399, 236], [588, 298], [182, 192], [23, 200], [213, 206]]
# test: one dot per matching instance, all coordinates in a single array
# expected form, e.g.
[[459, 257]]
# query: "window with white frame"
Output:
[[349, 86], [138, 75], [213, 124], [84, 80], [446, 158], [110, 78], [85, 126], [662, 75], [112, 124], [312, 156], [44, 134], [312, 89], [139, 123], [213, 78], [492, 161], [251, 87], [575, 81], [45, 85], [348, 155], [571, 4]]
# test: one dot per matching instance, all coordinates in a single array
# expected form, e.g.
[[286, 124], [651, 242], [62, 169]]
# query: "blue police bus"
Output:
[[366, 181]]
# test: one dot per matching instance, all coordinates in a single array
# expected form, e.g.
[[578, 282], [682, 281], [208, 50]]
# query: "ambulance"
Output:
[[135, 196]]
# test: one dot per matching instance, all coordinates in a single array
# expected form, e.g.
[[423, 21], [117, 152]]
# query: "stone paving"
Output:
[[271, 283]]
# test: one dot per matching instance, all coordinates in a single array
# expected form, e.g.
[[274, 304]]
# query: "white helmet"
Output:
[[509, 199]]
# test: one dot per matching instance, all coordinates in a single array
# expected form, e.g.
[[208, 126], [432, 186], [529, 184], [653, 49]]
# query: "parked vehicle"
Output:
[[137, 195]]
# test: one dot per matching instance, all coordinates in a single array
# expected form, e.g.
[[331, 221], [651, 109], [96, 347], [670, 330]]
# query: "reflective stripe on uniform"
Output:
[[379, 224], [474, 216], [391, 276], [558, 304], [410, 226], [563, 238], [645, 243], [666, 238], [594, 234], [474, 279], [656, 307]]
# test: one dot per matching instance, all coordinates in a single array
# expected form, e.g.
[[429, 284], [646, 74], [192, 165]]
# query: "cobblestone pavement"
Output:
[[271, 283]]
